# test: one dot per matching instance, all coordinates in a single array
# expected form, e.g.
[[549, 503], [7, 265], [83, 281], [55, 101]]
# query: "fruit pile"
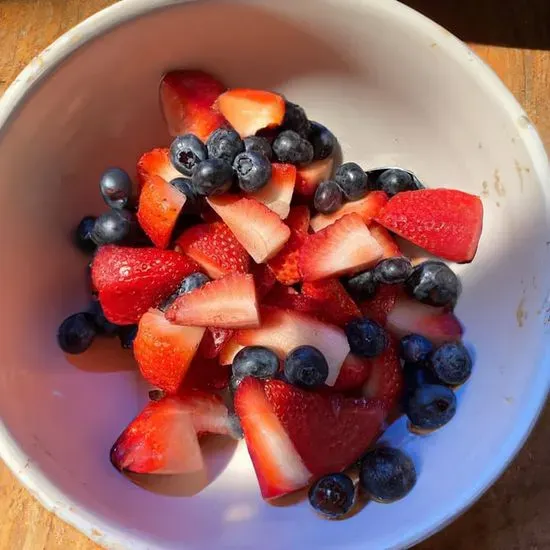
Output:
[[265, 295]]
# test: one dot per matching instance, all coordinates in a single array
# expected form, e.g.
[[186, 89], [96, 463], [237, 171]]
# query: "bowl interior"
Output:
[[396, 90]]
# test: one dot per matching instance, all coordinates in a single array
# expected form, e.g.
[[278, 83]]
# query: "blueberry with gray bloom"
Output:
[[185, 186], [328, 197], [434, 283], [224, 144], [395, 181], [306, 367], [186, 153], [323, 141], [256, 361], [430, 406], [76, 333], [115, 186], [332, 496], [190, 283], [352, 180], [253, 171], [415, 348], [212, 177], [393, 271], [258, 144], [366, 338], [452, 363], [296, 119], [362, 286], [111, 227], [83, 234], [289, 147]]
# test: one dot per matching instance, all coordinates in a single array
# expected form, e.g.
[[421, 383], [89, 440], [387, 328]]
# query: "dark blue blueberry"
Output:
[[387, 474], [224, 144], [291, 148], [362, 286], [212, 177], [190, 283], [430, 406], [256, 361], [186, 153], [253, 171], [452, 363], [328, 197], [417, 375], [185, 186], [415, 348], [306, 367], [434, 283], [156, 395], [366, 338], [258, 144], [115, 186], [234, 383], [393, 271], [332, 496], [127, 334], [352, 180], [323, 141], [83, 234], [296, 120], [395, 181], [76, 333], [102, 325], [111, 227]]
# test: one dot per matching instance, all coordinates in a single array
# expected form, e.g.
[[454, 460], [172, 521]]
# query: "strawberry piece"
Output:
[[445, 222], [279, 468], [277, 194], [385, 240], [286, 297], [378, 308], [213, 341], [329, 431], [160, 204], [354, 373], [368, 208], [298, 219], [132, 280], [251, 110], [346, 246], [411, 317], [207, 374], [187, 99], [163, 351], [285, 264], [261, 232], [226, 303], [309, 177], [264, 280], [215, 249], [229, 351], [155, 163], [332, 301]]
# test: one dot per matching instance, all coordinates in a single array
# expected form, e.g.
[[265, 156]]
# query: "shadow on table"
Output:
[[513, 23]]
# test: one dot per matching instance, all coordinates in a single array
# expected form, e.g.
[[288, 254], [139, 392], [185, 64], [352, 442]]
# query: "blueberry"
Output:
[[452, 363], [190, 283], [306, 367], [235, 427], [415, 348], [430, 406], [393, 271], [212, 177], [234, 383], [253, 171], [352, 180], [323, 141], [395, 181], [333, 496], [185, 186], [434, 283], [258, 144], [111, 227], [362, 286], [256, 361], [156, 395], [296, 120], [76, 333], [417, 375], [224, 144], [115, 186], [387, 474], [127, 334], [328, 197], [83, 234], [186, 153], [102, 325], [291, 148], [366, 337]]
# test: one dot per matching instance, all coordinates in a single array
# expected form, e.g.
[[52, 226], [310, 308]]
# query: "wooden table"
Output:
[[513, 36]]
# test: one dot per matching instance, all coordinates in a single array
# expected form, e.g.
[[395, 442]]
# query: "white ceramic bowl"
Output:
[[397, 89]]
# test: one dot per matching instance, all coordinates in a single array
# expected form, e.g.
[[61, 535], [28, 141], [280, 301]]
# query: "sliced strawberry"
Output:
[[298, 219], [251, 110], [132, 280], [346, 246], [229, 351], [214, 247], [309, 177], [368, 208], [226, 303], [256, 227], [279, 468], [286, 297], [409, 316], [445, 222], [187, 99], [160, 205], [163, 351], [207, 374], [156, 163], [213, 341], [264, 280], [378, 308], [354, 373], [277, 194], [332, 301], [285, 264], [385, 240]]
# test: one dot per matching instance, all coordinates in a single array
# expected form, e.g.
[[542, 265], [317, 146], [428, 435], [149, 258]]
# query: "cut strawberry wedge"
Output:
[[309, 177], [286, 297], [277, 194], [156, 163], [164, 351], [264, 280], [346, 246], [445, 222], [213, 341], [226, 303], [368, 208], [354, 373], [298, 219], [261, 232], [385, 240], [378, 308], [187, 99], [207, 375], [251, 110]]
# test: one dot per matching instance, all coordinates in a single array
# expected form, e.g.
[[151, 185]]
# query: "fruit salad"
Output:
[[266, 294]]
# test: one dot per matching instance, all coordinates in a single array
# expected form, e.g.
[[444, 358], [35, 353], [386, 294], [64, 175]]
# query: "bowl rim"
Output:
[[99, 529]]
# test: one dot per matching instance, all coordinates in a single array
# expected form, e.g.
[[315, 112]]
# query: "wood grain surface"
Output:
[[513, 36]]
